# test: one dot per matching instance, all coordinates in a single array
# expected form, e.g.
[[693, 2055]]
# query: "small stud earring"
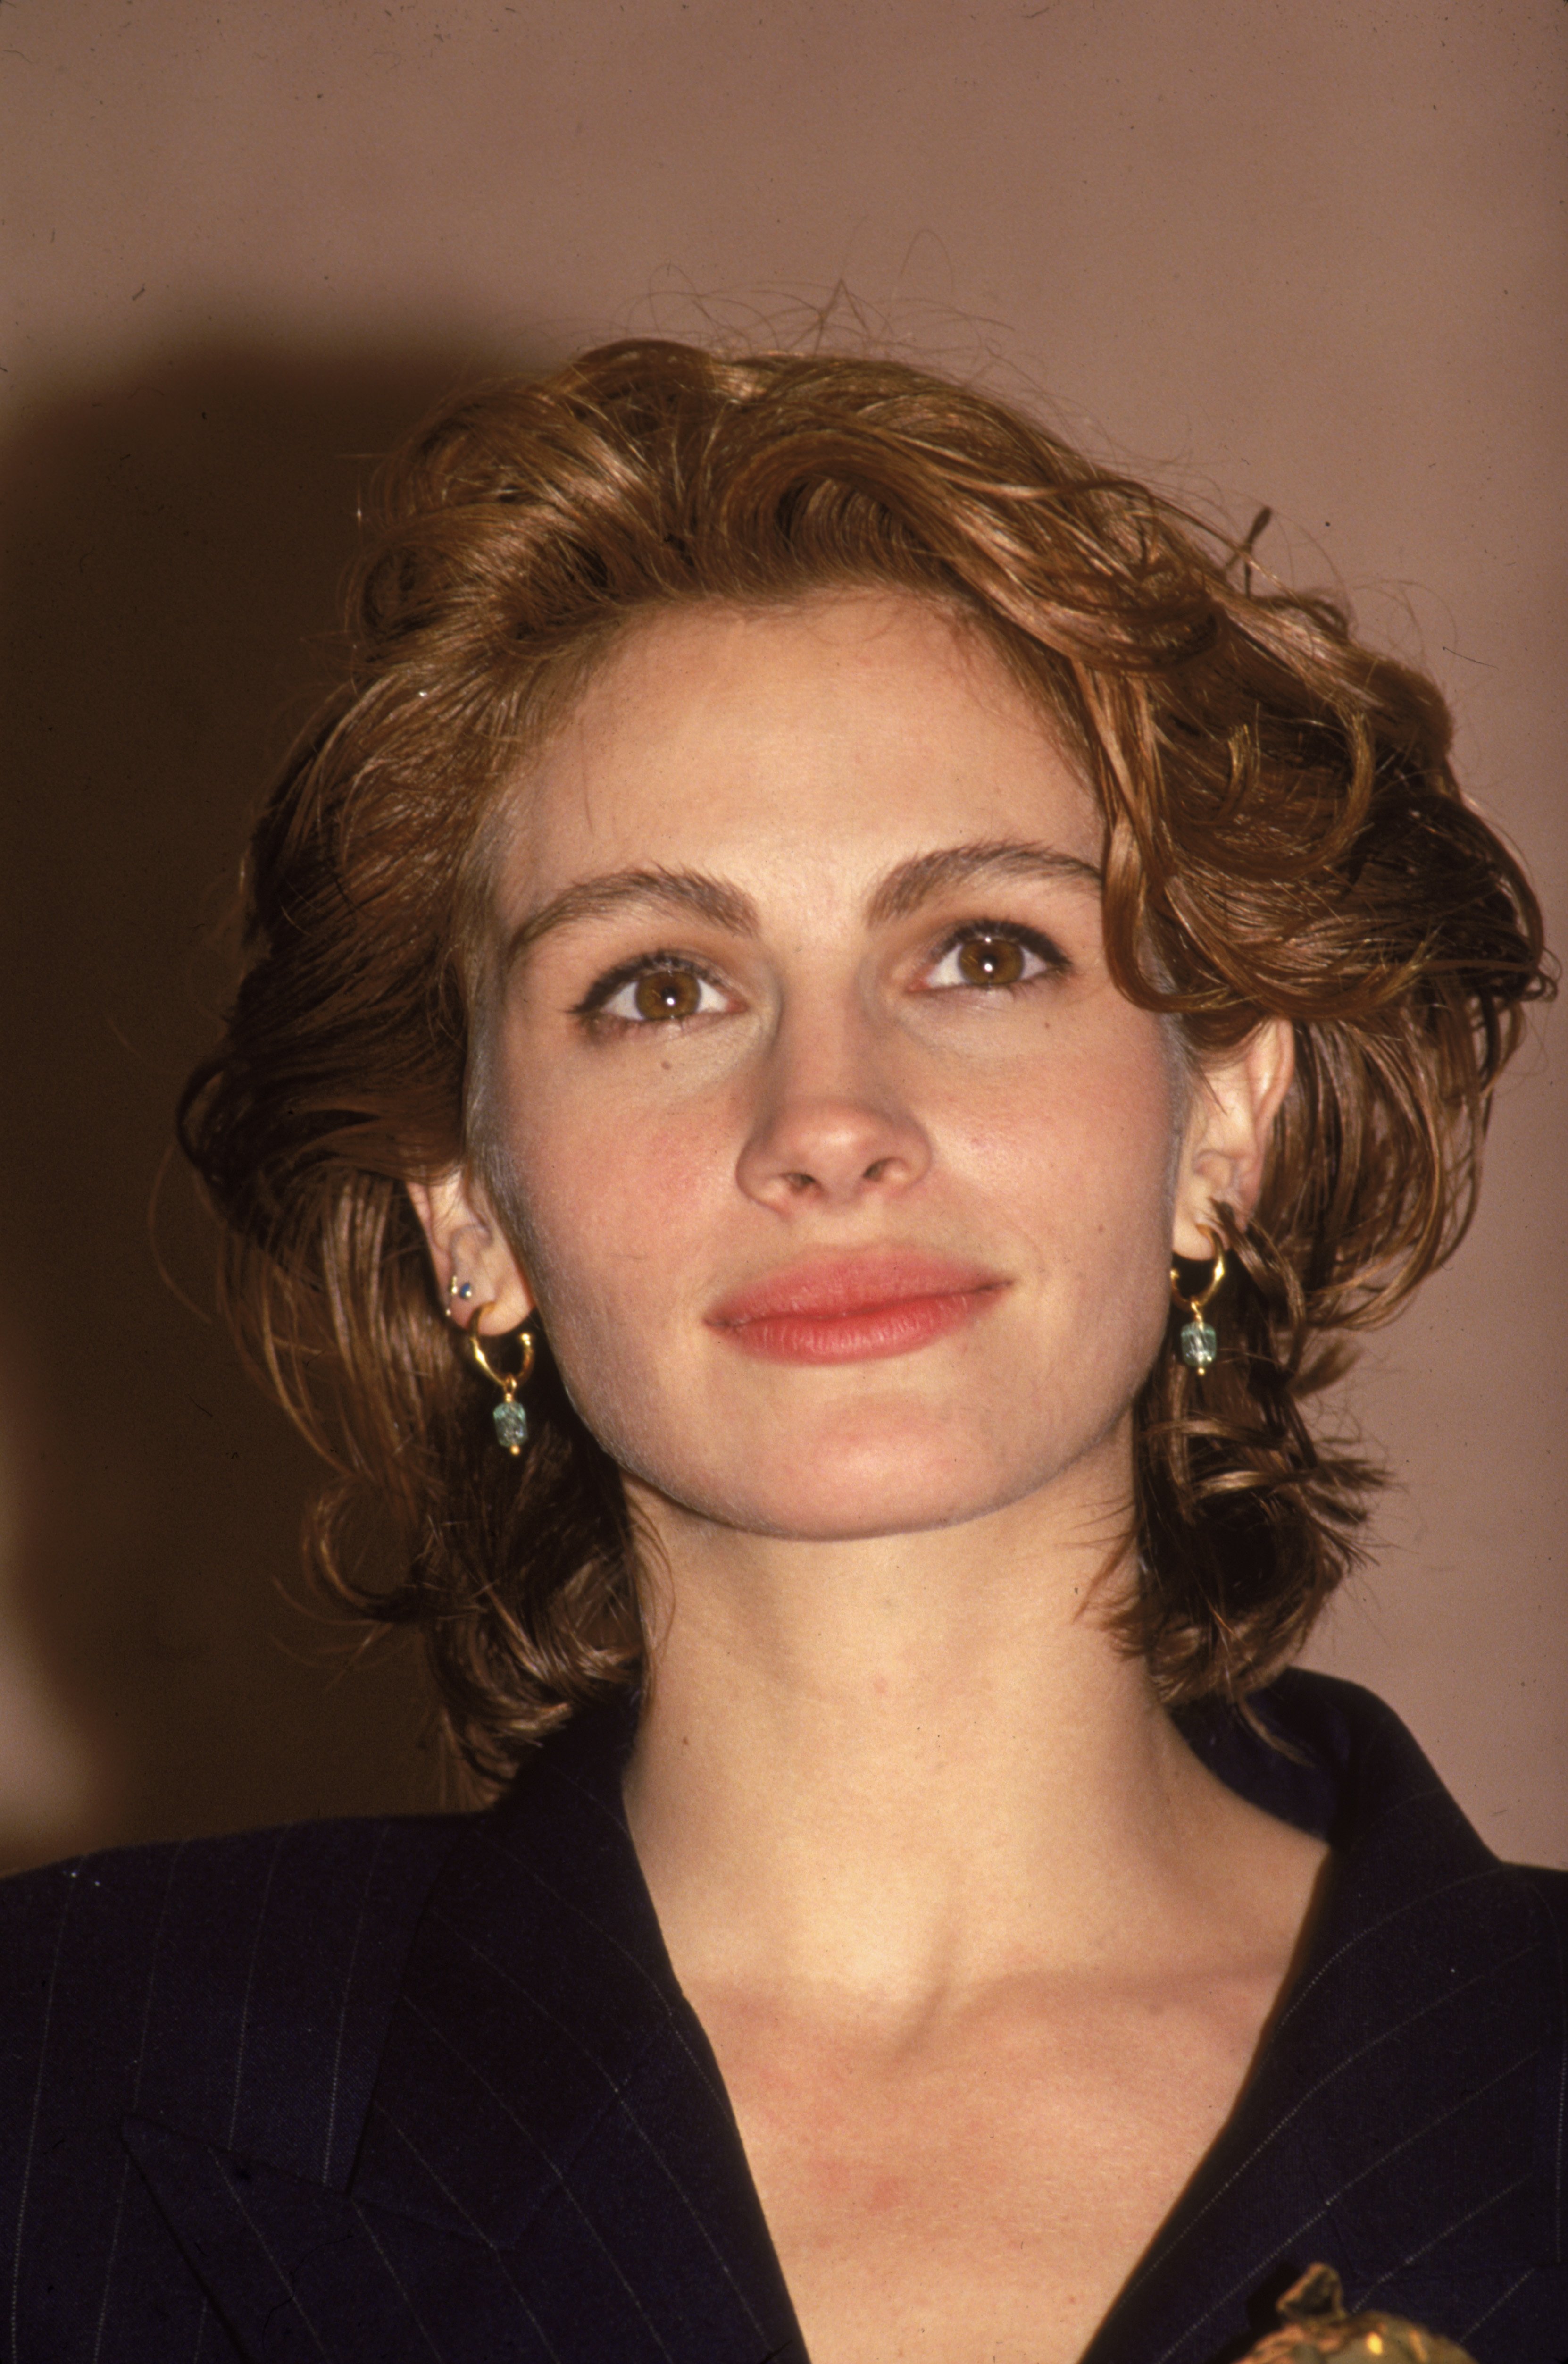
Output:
[[457, 1290], [1199, 1340]]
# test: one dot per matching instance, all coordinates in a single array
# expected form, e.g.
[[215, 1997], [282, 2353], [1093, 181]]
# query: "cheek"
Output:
[[1082, 1161], [608, 1205], [1084, 1145]]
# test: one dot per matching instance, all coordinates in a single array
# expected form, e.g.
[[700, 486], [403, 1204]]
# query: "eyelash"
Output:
[[593, 1007], [1054, 959], [593, 1010]]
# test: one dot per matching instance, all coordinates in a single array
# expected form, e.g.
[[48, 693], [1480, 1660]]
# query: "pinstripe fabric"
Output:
[[427, 2090], [1403, 2122], [217, 1987]]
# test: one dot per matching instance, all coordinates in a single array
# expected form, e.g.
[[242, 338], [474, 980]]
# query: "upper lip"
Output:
[[835, 1286]]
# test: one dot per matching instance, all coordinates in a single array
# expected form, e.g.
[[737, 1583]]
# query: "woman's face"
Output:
[[843, 1179]]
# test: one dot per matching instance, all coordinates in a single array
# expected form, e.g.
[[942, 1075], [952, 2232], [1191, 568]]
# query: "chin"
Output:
[[841, 1515], [839, 1491]]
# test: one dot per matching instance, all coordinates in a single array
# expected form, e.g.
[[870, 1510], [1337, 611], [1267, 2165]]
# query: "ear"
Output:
[[471, 1252], [1224, 1143]]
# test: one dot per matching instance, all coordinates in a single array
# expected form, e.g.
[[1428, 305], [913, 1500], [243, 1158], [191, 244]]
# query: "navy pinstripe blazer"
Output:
[[384, 2092]]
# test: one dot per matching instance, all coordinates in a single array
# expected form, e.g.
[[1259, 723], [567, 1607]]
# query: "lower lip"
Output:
[[867, 1335]]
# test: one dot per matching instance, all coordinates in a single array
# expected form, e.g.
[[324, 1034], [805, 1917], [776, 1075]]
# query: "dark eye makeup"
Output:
[[994, 956], [667, 988]]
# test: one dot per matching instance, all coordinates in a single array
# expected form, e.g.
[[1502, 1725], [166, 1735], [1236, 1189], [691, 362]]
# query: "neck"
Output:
[[895, 1767]]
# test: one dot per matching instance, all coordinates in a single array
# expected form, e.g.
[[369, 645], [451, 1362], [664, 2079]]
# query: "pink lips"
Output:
[[855, 1309]]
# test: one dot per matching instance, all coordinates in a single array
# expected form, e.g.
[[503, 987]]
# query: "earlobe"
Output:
[[1225, 1149], [471, 1256]]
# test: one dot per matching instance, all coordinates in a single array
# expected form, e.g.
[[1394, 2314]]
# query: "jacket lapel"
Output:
[[550, 2167], [1392, 2126]]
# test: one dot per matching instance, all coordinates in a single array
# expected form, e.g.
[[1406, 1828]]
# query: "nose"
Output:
[[831, 1129]]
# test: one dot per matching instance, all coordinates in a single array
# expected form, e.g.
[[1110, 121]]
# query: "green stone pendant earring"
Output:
[[1199, 1340], [510, 1417]]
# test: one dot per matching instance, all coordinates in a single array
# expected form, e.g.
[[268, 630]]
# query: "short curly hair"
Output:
[[1283, 837]]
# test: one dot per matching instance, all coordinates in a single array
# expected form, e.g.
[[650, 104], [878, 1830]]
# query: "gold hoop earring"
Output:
[[510, 1417], [1198, 1339]]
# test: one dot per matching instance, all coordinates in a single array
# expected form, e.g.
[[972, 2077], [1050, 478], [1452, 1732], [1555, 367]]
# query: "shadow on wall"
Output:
[[178, 544]]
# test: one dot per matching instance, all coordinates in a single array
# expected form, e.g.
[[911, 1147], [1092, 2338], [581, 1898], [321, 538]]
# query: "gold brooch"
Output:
[[1315, 2325]]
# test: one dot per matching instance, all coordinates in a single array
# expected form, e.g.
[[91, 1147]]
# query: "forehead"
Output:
[[827, 739]]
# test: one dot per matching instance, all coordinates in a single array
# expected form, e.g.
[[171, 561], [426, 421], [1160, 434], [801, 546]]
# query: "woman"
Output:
[[841, 1019]]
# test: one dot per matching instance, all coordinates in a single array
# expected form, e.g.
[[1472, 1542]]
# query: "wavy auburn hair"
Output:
[[1283, 837]]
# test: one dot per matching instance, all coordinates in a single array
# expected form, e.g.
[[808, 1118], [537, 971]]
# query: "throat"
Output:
[[984, 1953], [978, 2181], [899, 1817]]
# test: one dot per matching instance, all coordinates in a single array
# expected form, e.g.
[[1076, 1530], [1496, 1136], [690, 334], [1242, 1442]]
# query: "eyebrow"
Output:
[[903, 891], [656, 889], [927, 876]]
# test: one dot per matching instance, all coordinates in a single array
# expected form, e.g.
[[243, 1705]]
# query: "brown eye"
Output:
[[990, 960], [662, 992], [667, 993]]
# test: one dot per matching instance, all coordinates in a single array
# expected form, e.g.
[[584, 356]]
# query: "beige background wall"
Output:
[[1272, 249]]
